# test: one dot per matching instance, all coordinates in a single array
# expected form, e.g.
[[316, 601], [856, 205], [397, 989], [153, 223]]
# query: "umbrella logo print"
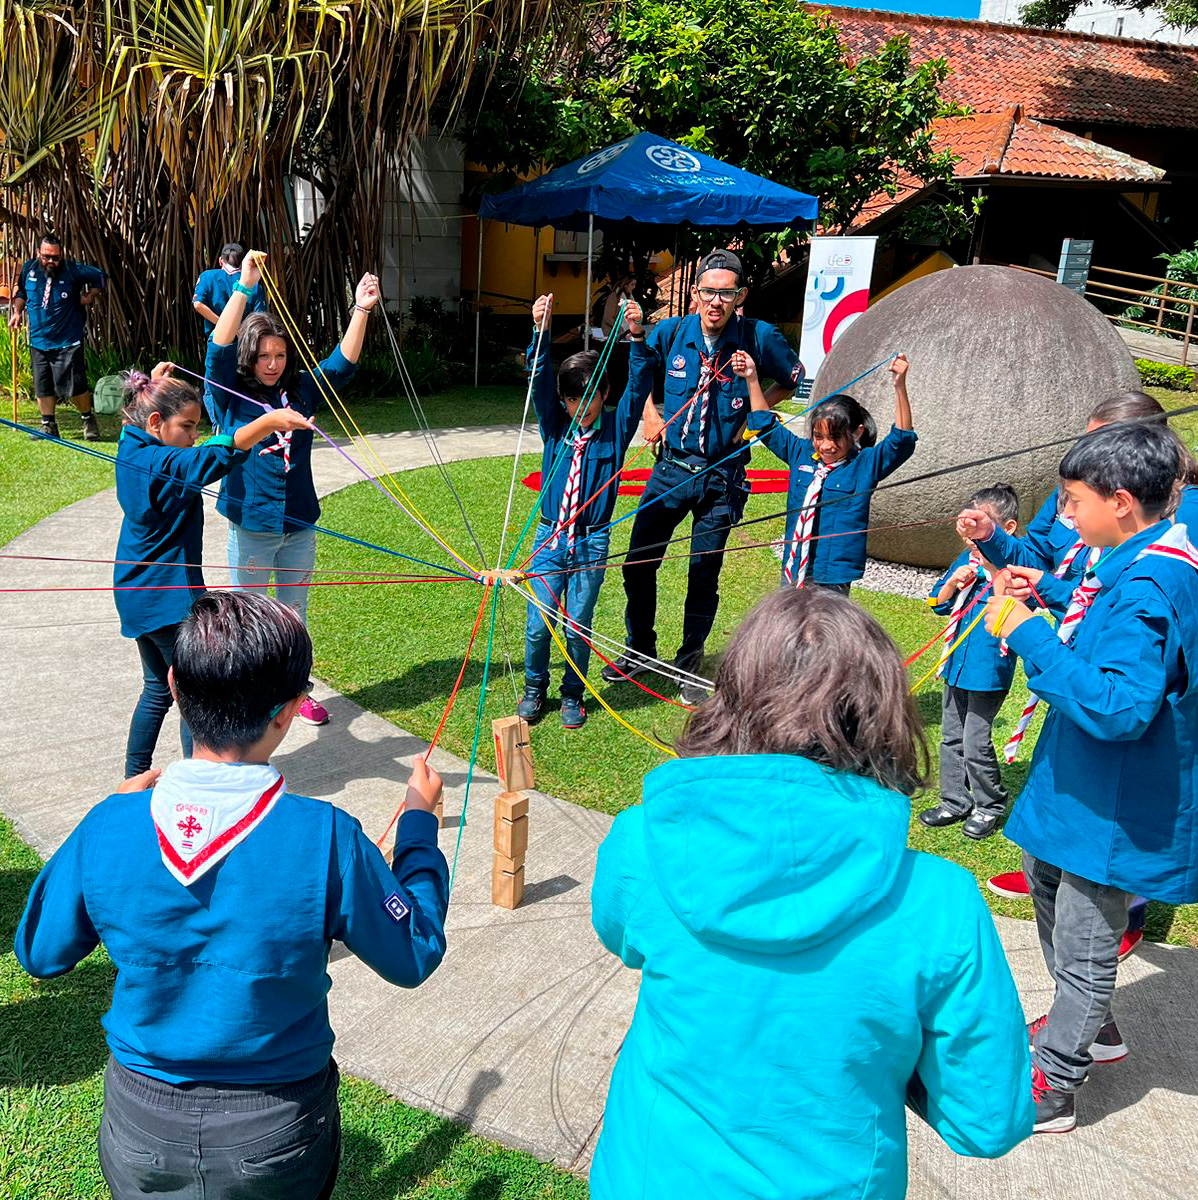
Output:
[[602, 158], [672, 158]]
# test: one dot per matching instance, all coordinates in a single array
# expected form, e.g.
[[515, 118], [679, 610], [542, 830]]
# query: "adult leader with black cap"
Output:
[[701, 471]]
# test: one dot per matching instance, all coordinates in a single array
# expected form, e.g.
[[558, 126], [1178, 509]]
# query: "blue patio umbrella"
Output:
[[648, 179]]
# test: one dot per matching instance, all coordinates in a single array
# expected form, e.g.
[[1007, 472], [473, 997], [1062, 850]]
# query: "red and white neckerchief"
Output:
[[958, 609], [800, 543], [567, 514], [282, 442], [203, 810], [1174, 543], [709, 373], [47, 290]]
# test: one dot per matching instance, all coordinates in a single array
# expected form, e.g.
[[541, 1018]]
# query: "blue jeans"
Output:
[[290, 557], [581, 590], [157, 650]]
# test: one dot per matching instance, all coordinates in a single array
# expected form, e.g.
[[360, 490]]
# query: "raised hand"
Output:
[[287, 420], [251, 268], [541, 309], [367, 294], [743, 365], [162, 371], [899, 367], [974, 525], [424, 788]]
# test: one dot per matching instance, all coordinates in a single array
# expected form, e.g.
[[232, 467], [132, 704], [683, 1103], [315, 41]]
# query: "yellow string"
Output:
[[587, 683], [386, 479], [949, 652]]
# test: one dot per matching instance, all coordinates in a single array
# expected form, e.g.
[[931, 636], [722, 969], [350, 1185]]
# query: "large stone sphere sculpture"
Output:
[[1000, 359]]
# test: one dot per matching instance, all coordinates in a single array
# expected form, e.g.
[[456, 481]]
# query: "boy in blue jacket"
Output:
[[218, 895], [977, 676], [583, 453], [1110, 807]]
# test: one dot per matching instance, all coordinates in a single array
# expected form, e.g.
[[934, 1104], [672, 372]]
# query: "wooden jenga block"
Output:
[[507, 887], [513, 753], [511, 837], [511, 806]]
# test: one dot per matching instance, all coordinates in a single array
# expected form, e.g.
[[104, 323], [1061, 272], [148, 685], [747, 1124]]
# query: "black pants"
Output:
[[157, 651], [715, 502], [197, 1141]]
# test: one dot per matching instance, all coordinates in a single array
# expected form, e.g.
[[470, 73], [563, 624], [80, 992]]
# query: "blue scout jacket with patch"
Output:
[[158, 489], [843, 504], [259, 495], [676, 345], [799, 965], [604, 455], [215, 286], [62, 321], [1049, 537], [1112, 792], [977, 664], [226, 980]]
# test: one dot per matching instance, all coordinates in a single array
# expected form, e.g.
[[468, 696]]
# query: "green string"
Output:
[[583, 405], [478, 728]]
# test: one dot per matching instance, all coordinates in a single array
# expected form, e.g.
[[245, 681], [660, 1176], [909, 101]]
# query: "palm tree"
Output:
[[149, 132]]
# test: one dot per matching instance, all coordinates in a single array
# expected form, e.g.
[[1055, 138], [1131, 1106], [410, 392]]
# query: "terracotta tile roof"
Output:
[[1057, 75], [994, 145]]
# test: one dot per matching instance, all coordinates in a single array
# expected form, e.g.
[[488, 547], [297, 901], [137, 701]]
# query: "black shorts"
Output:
[[61, 373]]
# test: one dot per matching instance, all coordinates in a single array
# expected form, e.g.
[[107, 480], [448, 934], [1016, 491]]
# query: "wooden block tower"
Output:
[[513, 765]]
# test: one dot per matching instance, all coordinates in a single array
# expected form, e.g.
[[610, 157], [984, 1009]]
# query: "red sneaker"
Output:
[[1129, 943], [1012, 884], [1034, 1027], [313, 712]]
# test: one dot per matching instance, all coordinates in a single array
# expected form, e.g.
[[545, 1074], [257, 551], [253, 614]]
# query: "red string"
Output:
[[453, 695], [960, 618], [152, 562], [243, 587]]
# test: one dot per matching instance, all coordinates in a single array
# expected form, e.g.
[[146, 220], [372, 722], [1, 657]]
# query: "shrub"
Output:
[[1181, 268], [1165, 375]]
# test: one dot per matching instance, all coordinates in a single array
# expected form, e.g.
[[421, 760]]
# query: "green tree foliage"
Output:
[[150, 132], [1172, 311], [764, 84], [1053, 14]]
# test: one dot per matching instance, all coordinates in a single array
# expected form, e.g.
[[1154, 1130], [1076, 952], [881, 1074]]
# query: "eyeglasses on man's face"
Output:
[[725, 295]]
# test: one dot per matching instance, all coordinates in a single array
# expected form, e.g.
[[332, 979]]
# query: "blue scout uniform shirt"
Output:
[[226, 981], [1050, 536], [214, 287], [843, 504], [678, 343], [157, 487], [1112, 791], [60, 322], [977, 664], [604, 455], [259, 495]]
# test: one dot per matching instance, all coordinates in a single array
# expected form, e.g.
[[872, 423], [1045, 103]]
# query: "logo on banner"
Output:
[[673, 158], [837, 294]]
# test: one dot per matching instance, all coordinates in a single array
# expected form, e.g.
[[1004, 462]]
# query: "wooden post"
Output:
[[1160, 308], [1185, 345], [513, 765]]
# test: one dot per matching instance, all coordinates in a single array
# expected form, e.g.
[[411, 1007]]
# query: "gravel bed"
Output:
[[894, 578]]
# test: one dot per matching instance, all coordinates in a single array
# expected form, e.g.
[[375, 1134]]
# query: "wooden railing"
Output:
[[1103, 295]]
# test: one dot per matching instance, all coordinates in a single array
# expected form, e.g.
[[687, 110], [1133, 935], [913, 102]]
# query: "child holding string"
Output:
[[157, 576], [833, 473], [270, 498]]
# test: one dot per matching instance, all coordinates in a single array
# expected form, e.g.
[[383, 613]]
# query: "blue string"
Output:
[[205, 491], [735, 453]]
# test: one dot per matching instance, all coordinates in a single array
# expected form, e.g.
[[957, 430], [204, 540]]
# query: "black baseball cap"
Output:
[[232, 250], [722, 260]]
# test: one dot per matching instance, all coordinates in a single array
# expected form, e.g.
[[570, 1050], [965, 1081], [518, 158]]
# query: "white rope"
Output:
[[532, 374]]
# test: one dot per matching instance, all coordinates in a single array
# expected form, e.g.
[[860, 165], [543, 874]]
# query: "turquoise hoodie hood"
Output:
[[776, 866], [799, 965]]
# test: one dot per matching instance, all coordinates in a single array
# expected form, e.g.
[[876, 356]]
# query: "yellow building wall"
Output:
[[939, 261]]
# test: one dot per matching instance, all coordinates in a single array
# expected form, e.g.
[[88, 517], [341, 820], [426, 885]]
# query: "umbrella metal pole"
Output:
[[586, 316], [478, 302]]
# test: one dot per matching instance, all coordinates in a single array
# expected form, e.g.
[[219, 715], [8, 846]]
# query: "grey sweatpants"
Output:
[[969, 773], [1080, 924], [195, 1141]]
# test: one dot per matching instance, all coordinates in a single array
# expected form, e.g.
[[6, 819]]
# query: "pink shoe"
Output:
[[313, 712], [1011, 884]]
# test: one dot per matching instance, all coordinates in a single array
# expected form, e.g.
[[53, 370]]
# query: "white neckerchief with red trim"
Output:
[[567, 514], [709, 373], [282, 442], [800, 543], [203, 810]]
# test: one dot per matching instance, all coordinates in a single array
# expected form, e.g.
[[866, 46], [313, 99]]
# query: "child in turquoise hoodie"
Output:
[[803, 974]]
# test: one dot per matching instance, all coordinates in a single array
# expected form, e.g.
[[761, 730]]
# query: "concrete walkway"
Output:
[[517, 1032], [1156, 348]]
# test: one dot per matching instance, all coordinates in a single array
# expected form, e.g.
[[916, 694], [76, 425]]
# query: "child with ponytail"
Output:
[[157, 577]]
